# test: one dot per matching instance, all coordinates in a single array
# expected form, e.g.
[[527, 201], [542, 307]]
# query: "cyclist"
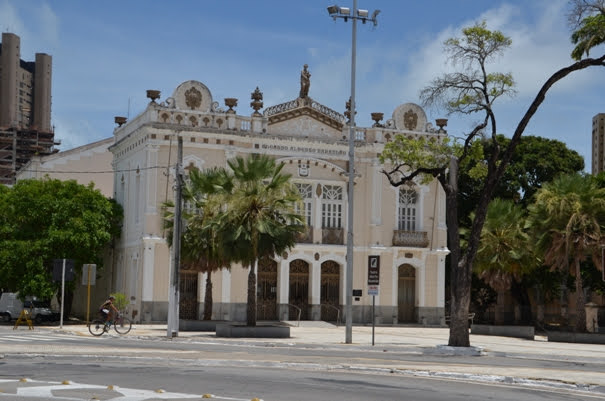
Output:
[[108, 309]]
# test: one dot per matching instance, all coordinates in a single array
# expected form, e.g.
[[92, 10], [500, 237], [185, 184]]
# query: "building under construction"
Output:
[[25, 104]]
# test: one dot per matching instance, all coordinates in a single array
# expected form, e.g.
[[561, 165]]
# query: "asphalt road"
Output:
[[188, 381], [186, 368]]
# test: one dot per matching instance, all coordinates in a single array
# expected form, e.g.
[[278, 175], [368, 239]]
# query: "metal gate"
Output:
[[188, 293], [406, 298], [266, 302], [299, 288], [330, 291]]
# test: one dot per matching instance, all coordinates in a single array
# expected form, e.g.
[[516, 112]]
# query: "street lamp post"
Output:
[[363, 15]]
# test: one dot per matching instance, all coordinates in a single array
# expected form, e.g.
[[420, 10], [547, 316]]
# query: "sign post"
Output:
[[373, 285], [63, 269]]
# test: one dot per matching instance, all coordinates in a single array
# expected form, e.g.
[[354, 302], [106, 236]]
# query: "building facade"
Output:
[[25, 87], [25, 107], [404, 226], [90, 163], [598, 143]]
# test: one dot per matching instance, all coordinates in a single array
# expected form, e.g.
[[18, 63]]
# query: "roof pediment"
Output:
[[301, 107]]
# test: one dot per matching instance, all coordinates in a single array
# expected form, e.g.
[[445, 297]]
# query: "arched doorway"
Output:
[[266, 302], [330, 291], [188, 287], [299, 289], [406, 293]]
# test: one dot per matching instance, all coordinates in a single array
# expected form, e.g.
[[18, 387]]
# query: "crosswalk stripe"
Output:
[[36, 337]]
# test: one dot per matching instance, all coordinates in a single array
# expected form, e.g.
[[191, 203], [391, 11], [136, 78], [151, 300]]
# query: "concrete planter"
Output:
[[571, 337], [237, 330], [526, 332], [198, 325]]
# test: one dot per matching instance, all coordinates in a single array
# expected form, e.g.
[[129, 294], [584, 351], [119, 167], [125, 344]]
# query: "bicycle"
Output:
[[121, 325]]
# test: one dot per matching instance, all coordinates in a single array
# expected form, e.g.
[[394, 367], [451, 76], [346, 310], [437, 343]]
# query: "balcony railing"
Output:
[[418, 239], [306, 237], [333, 236]]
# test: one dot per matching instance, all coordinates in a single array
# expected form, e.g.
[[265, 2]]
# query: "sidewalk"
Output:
[[539, 361]]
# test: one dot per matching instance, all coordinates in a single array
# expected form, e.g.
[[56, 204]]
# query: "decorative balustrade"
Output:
[[332, 236], [280, 108], [328, 111], [417, 239], [306, 237]]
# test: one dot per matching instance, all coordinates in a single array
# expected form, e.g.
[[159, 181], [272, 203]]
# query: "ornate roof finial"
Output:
[[257, 101], [305, 82], [230, 102]]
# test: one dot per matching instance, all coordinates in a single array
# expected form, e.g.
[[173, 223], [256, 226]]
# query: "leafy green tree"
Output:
[[42, 220], [259, 220], [587, 17], [470, 90], [535, 161], [567, 220]]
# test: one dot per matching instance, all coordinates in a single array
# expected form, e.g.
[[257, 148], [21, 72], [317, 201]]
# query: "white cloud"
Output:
[[9, 18], [540, 47], [74, 132], [47, 22]]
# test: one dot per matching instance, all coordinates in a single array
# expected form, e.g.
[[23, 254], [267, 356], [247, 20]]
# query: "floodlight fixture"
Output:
[[333, 10], [362, 13], [374, 15]]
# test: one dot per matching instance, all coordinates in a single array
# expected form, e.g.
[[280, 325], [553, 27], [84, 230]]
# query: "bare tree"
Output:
[[474, 90]]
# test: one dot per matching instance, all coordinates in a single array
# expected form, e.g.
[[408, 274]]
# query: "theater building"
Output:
[[404, 226]]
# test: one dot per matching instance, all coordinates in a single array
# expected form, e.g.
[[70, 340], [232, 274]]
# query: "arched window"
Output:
[[408, 201], [331, 206]]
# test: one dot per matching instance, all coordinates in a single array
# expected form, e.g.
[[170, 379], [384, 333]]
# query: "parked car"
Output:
[[11, 307]]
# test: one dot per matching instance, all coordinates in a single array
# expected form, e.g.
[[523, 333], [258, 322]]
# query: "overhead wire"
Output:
[[96, 172]]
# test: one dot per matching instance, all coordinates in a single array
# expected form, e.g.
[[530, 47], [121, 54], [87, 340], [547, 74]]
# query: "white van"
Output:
[[11, 307]]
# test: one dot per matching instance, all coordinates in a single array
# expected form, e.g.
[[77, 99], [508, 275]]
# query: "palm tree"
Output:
[[567, 217], [201, 250], [259, 219], [504, 254]]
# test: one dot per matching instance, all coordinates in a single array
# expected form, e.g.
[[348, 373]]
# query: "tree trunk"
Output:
[[208, 298], [251, 306], [500, 305], [520, 295], [580, 301], [459, 274]]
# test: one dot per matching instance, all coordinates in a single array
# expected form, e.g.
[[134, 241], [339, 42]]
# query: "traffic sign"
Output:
[[373, 270], [89, 274], [373, 290], [58, 269]]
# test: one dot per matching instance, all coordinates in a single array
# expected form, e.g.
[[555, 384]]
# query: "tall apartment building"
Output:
[[598, 143], [25, 104]]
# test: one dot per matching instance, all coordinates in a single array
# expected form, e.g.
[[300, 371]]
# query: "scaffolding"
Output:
[[19, 146]]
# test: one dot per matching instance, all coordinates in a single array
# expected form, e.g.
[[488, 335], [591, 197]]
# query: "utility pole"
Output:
[[174, 294], [354, 15]]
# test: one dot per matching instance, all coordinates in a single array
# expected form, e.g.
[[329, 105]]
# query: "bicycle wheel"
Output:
[[96, 327], [122, 325]]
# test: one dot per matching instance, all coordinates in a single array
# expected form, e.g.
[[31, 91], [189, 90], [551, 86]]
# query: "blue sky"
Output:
[[107, 53]]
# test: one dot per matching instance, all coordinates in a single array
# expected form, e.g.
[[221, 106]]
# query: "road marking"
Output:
[[82, 391], [37, 337]]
